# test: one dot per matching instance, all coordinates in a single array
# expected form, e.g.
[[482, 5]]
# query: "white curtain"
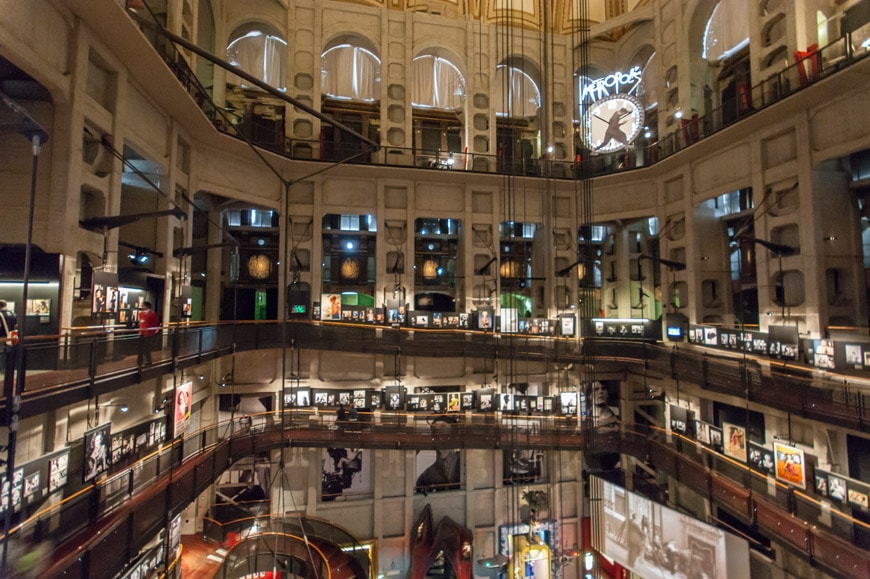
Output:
[[351, 72], [523, 97], [260, 55], [437, 84]]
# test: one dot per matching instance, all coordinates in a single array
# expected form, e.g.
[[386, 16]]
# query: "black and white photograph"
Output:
[[760, 458], [437, 470], [345, 472], [715, 437], [568, 401], [485, 401], [58, 468], [31, 486], [97, 451], [394, 397], [467, 401], [682, 419], [836, 488], [523, 466], [655, 541], [321, 398], [853, 355]]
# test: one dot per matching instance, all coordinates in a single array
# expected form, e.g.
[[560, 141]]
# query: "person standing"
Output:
[[149, 325]]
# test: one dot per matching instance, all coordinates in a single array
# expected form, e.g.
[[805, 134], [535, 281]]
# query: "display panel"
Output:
[[655, 541]]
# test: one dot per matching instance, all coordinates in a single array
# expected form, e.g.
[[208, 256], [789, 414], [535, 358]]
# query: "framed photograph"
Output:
[[836, 488], [734, 441], [761, 458], [467, 401], [821, 483], [790, 464], [97, 451], [485, 401], [853, 355], [715, 437], [39, 307], [58, 468], [856, 497], [31, 486], [702, 432], [453, 404]]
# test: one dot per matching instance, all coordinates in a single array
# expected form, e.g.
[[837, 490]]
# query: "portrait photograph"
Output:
[[183, 402], [437, 470], [790, 467], [734, 441], [97, 451], [853, 355], [715, 437], [453, 402]]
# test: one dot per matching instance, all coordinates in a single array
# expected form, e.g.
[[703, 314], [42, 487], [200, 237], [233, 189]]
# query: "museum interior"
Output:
[[435, 289]]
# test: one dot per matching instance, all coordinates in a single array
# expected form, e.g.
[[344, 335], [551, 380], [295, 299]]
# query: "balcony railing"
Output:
[[103, 526], [690, 129]]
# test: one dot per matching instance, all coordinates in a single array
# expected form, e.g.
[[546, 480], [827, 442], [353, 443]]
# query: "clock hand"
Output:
[[599, 118]]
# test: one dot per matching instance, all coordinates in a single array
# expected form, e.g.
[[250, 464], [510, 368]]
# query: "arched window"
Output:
[[649, 81], [261, 54], [727, 31], [351, 73], [517, 94], [438, 84]]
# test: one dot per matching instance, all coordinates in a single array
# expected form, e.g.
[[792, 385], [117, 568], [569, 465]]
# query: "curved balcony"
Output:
[[101, 528]]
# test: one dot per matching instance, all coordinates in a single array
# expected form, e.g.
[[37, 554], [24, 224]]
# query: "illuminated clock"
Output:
[[259, 266], [612, 123]]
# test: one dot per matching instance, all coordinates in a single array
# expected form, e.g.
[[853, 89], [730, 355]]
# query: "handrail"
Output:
[[178, 481], [63, 371], [836, 56]]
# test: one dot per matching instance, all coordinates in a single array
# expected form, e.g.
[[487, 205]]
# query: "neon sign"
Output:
[[611, 84]]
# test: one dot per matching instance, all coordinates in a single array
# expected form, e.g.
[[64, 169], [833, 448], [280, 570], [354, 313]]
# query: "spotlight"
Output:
[[139, 256], [125, 408], [348, 245]]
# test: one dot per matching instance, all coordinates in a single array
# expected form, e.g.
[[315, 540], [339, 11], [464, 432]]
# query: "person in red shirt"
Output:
[[149, 326]]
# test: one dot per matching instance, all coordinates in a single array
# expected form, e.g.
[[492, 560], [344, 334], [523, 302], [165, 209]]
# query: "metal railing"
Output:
[[104, 525], [692, 128]]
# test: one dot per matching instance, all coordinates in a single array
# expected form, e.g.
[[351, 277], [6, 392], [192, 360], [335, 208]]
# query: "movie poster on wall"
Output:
[[734, 441], [790, 464], [183, 397]]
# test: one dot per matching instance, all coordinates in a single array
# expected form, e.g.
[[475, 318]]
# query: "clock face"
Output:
[[613, 123]]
